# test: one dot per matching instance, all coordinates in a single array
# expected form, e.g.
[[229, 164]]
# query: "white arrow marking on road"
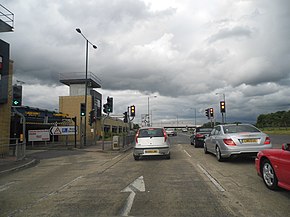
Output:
[[137, 185]]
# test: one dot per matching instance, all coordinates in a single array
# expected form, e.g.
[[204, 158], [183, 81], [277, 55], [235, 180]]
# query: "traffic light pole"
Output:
[[103, 128]]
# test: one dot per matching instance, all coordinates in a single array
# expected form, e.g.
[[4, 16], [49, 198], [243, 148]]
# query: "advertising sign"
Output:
[[38, 135]]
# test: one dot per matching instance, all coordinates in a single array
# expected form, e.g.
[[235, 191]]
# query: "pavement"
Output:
[[10, 163]]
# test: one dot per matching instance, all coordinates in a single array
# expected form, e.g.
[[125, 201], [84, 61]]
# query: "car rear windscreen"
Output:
[[151, 132], [240, 129], [203, 130]]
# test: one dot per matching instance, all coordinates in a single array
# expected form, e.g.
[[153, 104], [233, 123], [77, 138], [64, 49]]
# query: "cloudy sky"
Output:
[[182, 51]]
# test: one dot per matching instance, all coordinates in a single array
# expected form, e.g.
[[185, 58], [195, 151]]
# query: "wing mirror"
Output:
[[286, 147]]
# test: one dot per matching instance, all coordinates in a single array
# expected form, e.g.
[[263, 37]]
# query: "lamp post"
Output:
[[149, 110], [224, 119], [86, 80]]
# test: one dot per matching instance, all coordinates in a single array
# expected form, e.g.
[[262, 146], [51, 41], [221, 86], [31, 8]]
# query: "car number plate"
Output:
[[150, 151], [249, 140]]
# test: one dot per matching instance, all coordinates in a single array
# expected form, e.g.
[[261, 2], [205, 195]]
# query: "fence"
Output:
[[15, 149]]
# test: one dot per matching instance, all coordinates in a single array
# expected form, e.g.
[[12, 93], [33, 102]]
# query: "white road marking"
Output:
[[219, 187], [64, 186], [45, 197], [135, 186], [6, 186], [116, 157], [187, 153]]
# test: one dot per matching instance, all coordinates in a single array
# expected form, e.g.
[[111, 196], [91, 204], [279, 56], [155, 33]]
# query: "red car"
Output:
[[273, 165]]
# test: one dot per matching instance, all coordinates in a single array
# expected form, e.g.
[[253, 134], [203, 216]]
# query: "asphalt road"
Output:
[[79, 183]]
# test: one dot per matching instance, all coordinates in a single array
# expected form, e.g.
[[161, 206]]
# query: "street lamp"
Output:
[[86, 81], [149, 110], [224, 120]]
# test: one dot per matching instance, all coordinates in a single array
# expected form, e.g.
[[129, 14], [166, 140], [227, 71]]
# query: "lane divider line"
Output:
[[187, 153], [116, 157], [217, 185], [6, 186]]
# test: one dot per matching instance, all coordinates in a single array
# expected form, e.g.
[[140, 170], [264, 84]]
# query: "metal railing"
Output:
[[79, 75], [15, 149], [6, 16]]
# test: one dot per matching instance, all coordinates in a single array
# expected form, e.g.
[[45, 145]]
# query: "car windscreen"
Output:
[[240, 129], [151, 132]]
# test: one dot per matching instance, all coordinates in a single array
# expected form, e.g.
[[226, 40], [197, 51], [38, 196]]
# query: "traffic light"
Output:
[[125, 117], [211, 112], [110, 104], [132, 111], [105, 108], [207, 113], [17, 95], [83, 109], [223, 106], [92, 117]]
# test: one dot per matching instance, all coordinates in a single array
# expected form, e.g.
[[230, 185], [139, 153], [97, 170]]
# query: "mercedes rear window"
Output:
[[240, 129]]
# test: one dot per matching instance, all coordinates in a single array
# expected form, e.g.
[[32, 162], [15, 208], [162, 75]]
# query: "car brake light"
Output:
[[229, 142], [136, 138], [165, 135], [267, 141], [199, 135]]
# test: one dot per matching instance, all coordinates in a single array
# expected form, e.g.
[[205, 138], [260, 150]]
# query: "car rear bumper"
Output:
[[250, 151], [199, 142], [151, 151]]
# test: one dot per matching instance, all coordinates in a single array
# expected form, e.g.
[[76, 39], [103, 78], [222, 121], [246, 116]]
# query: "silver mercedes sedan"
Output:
[[236, 139]]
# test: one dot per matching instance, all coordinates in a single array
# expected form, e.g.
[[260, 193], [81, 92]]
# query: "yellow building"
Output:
[[71, 105], [6, 72]]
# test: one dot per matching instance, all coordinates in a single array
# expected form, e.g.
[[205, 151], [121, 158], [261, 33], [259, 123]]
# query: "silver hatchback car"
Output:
[[236, 139], [151, 141]]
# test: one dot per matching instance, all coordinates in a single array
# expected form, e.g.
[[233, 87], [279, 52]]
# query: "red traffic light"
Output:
[[222, 106], [211, 112], [132, 111]]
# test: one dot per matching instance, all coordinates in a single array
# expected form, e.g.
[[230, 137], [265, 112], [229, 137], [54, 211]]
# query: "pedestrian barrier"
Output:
[[14, 149]]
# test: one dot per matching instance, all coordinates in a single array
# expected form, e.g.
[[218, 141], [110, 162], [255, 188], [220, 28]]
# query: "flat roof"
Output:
[[79, 78]]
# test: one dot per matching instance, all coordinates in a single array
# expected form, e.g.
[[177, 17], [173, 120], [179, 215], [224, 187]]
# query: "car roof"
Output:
[[233, 124]]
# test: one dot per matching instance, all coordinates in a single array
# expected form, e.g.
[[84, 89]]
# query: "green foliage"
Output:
[[209, 124], [136, 126], [277, 119]]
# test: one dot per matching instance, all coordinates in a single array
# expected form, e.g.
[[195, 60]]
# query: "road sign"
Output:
[[63, 130]]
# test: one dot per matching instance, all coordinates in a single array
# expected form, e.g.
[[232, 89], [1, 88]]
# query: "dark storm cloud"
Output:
[[49, 44], [183, 51], [235, 33]]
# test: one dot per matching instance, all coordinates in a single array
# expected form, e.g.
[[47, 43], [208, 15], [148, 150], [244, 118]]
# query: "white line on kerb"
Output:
[[219, 187], [187, 153]]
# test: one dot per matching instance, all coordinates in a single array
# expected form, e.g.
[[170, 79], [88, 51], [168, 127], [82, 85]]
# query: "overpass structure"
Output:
[[181, 126]]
